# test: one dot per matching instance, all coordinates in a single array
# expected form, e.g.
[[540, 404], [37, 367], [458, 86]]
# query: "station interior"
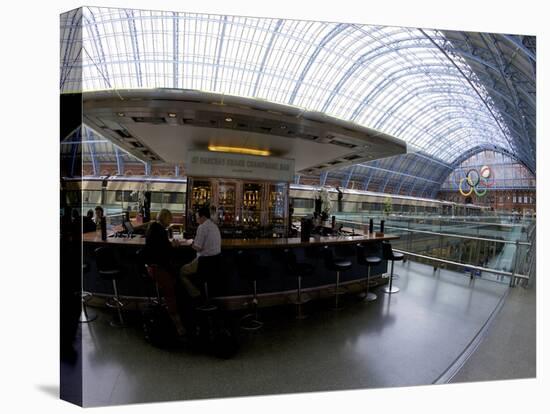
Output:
[[313, 145]]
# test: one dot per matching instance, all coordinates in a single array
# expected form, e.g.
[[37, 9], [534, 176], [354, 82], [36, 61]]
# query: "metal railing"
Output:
[[514, 257]]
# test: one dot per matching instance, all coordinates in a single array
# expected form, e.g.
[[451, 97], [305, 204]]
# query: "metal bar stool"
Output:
[[207, 269], [108, 270], [147, 273], [336, 265], [249, 270], [297, 270], [389, 254], [85, 315], [151, 271], [369, 262]]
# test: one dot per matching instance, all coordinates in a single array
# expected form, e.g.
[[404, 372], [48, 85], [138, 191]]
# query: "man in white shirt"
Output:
[[207, 242]]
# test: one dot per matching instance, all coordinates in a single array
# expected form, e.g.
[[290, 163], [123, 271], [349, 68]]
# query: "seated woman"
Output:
[[158, 250], [88, 222]]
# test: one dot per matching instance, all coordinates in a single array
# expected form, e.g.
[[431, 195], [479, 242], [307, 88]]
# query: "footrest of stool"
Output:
[[86, 296], [207, 307], [340, 291], [304, 299], [249, 323], [114, 303]]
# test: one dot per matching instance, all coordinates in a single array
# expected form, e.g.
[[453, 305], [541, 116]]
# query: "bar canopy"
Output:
[[163, 126]]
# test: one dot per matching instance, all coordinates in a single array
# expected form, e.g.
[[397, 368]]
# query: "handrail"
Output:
[[483, 269], [513, 275], [445, 234], [447, 219]]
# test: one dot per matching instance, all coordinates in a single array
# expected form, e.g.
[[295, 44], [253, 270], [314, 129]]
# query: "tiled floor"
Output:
[[409, 338]]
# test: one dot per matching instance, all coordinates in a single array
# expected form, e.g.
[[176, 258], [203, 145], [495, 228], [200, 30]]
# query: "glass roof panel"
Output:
[[396, 80]]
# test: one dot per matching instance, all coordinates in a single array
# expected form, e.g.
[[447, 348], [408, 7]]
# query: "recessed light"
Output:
[[171, 115], [239, 150], [228, 119], [283, 126], [121, 114]]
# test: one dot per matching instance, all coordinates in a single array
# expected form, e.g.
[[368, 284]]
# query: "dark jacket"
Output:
[[158, 249], [88, 225]]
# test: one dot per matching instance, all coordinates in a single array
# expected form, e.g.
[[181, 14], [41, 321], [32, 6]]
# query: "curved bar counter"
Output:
[[229, 289]]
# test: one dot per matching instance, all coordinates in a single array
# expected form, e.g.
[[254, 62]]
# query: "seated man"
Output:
[[98, 217], [207, 242], [158, 252]]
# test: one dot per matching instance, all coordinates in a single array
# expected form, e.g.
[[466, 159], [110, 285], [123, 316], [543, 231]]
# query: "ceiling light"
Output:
[[228, 119], [283, 126], [171, 114], [239, 150]]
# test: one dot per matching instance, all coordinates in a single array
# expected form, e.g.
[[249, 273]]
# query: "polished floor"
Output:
[[508, 349], [409, 338]]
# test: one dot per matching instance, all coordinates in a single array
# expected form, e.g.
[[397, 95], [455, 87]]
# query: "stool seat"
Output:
[[396, 256], [373, 260], [110, 274], [341, 264]]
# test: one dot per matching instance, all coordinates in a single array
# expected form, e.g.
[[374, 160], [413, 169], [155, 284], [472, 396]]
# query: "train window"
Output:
[[125, 195], [91, 196], [175, 198], [302, 203], [156, 198], [167, 198]]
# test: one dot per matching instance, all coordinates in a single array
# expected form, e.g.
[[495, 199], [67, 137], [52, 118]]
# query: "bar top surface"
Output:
[[94, 238]]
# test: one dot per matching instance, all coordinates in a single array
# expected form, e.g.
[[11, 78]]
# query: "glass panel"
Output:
[[252, 204]]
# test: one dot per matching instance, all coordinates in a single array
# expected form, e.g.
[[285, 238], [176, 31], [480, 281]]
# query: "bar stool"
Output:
[[297, 270], [336, 265], [85, 315], [147, 274], [152, 273], [389, 254], [108, 270], [207, 269], [250, 271], [369, 262]]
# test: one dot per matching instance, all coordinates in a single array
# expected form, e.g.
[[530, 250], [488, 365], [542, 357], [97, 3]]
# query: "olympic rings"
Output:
[[485, 171], [482, 192], [462, 191], [471, 180], [477, 181]]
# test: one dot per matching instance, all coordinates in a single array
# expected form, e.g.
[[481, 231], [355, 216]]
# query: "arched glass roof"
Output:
[[400, 81]]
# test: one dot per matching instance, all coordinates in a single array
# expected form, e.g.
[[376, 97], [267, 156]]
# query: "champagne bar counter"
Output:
[[229, 289]]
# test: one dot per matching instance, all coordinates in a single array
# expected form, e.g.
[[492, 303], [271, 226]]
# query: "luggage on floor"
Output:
[[158, 328], [216, 335]]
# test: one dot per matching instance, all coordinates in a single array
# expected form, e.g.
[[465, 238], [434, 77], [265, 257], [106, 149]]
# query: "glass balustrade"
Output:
[[487, 247]]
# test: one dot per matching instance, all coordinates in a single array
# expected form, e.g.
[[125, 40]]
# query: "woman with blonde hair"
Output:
[[159, 252]]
